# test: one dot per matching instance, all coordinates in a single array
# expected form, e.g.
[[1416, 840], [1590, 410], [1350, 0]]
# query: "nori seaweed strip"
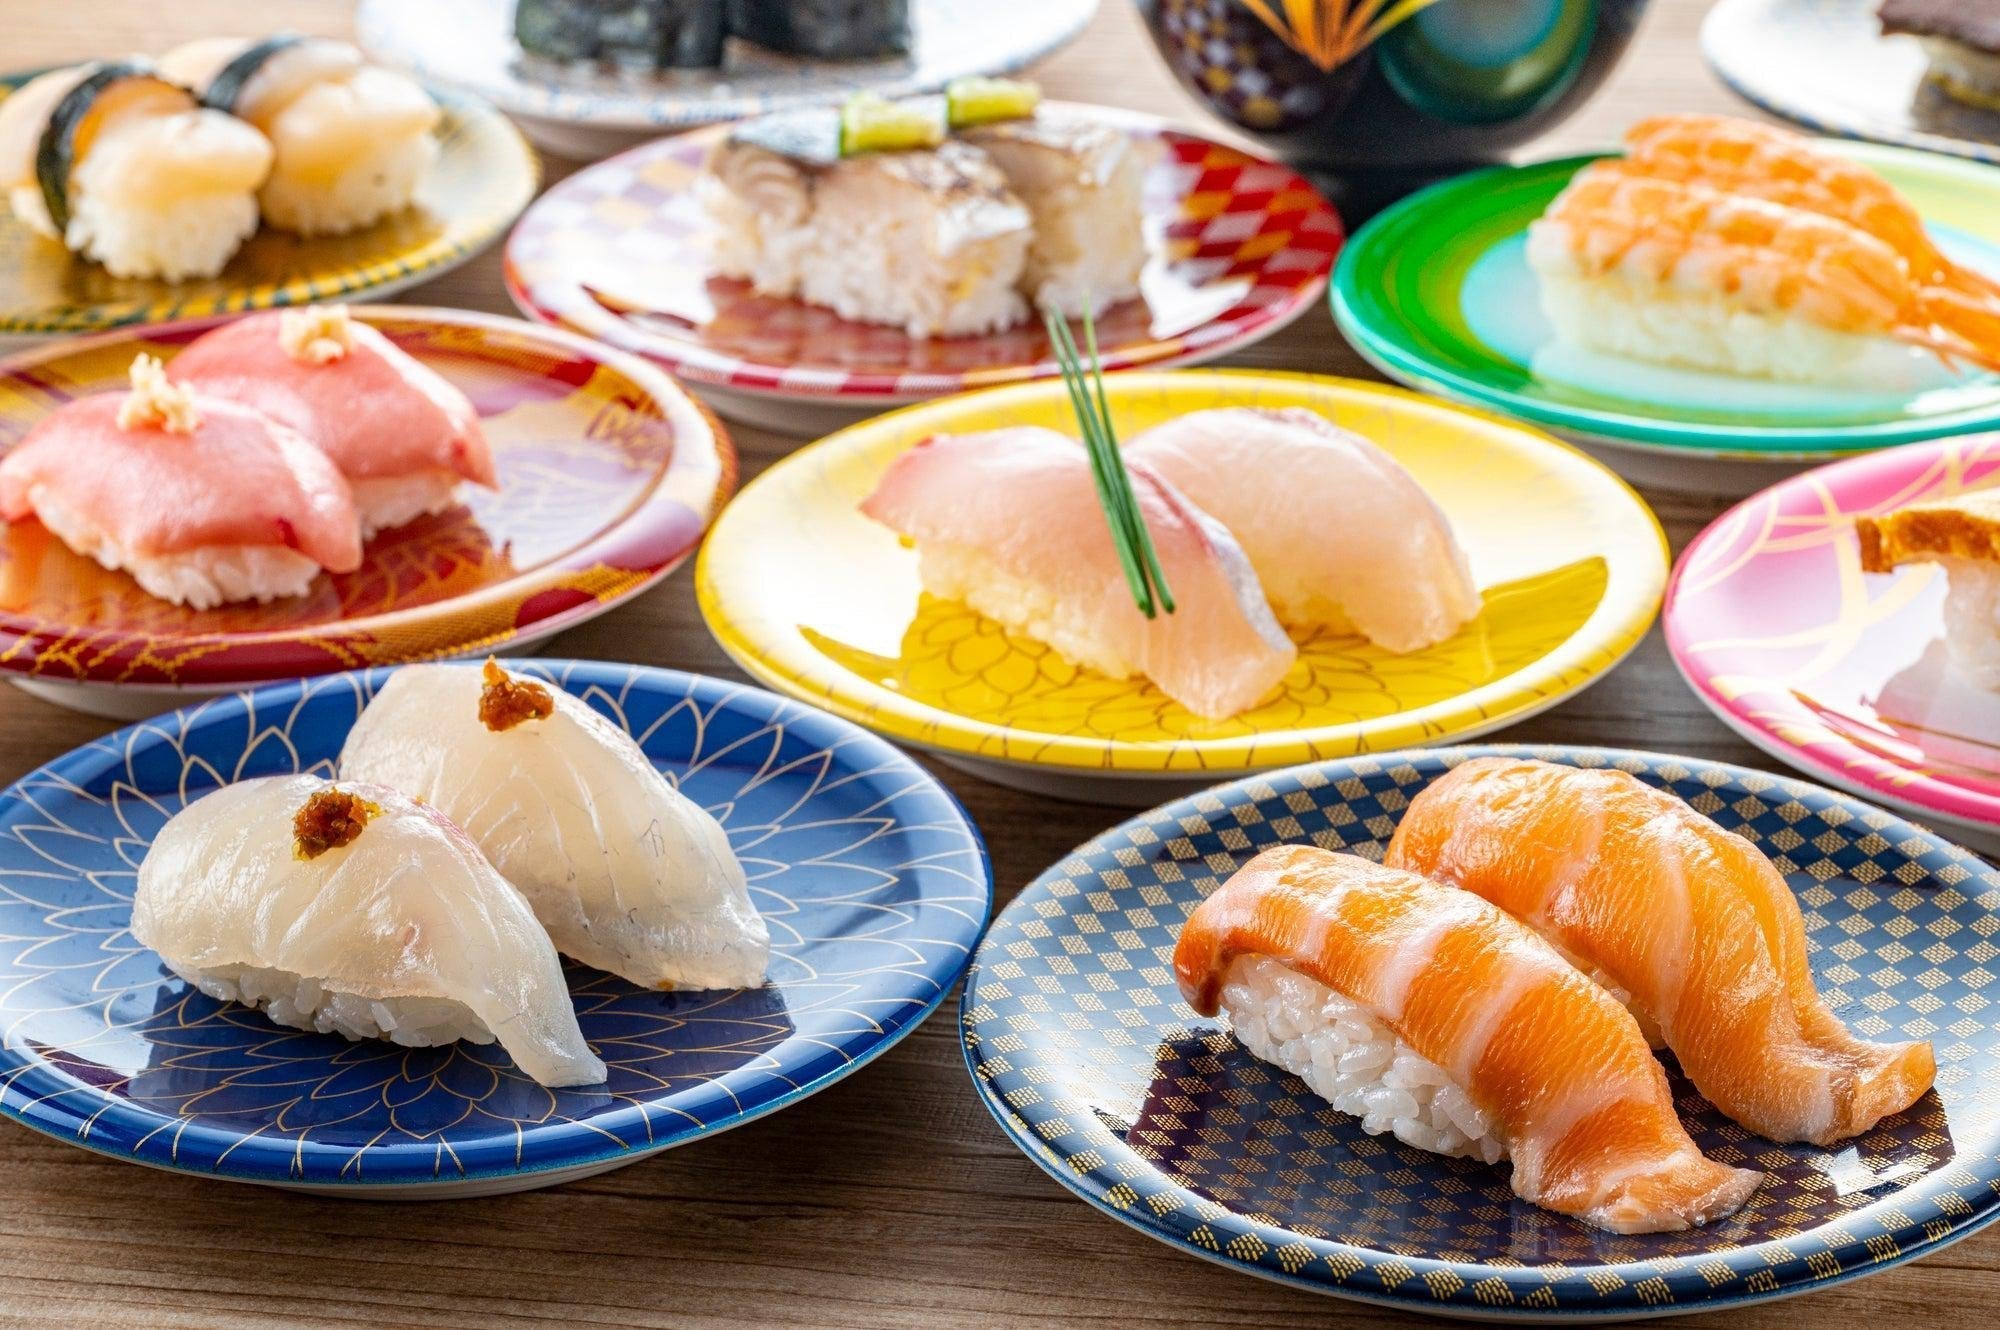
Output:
[[55, 154], [227, 86]]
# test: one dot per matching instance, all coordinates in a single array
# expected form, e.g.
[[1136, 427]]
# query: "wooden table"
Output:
[[890, 1199]]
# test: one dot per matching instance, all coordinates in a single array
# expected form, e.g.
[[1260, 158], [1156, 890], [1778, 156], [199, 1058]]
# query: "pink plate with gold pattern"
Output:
[[1240, 246], [609, 474], [1841, 673]]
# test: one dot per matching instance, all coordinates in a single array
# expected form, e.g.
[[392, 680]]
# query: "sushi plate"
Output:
[[485, 175], [586, 113], [621, 252], [1082, 1049], [1840, 673], [1839, 74], [817, 601], [609, 474], [873, 882], [1437, 293]]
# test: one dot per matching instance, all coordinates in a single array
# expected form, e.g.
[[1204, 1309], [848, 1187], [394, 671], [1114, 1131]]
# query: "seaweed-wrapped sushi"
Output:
[[646, 35], [825, 29]]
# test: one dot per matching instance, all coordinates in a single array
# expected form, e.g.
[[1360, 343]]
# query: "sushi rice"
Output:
[[1971, 614], [1353, 1061], [392, 501], [309, 1004]]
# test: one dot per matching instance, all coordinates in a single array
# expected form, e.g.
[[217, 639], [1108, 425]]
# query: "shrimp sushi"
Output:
[[353, 909], [126, 168], [1341, 536], [1675, 271], [202, 500], [623, 870], [1009, 522], [398, 430], [354, 142], [1692, 923], [1430, 1014]]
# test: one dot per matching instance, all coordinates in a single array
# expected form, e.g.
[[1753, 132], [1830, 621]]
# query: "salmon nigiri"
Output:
[[1692, 921], [1341, 536], [1432, 1014], [202, 500], [1009, 522], [402, 435]]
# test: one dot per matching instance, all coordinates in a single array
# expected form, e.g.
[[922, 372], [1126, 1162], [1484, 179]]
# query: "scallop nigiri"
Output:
[[353, 909], [1341, 535], [353, 142], [124, 167], [202, 500], [1431, 1014], [400, 432], [1692, 923], [1675, 271], [1009, 522], [626, 873]]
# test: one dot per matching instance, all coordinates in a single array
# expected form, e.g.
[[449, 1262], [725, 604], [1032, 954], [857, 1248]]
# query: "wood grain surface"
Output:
[[890, 1199]]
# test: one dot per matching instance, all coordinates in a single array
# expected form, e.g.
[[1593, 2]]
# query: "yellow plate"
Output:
[[485, 175], [818, 601]]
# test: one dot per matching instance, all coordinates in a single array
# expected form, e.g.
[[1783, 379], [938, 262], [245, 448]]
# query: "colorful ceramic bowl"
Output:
[[1083, 1051], [621, 252], [1445, 87], [485, 175], [1840, 673], [874, 884], [586, 113], [1437, 293], [1840, 75], [817, 601], [609, 474]]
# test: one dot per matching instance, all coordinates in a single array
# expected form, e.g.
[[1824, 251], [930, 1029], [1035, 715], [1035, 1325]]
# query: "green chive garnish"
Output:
[[1122, 514]]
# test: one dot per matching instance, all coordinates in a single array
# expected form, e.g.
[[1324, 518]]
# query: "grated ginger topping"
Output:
[[156, 400], [316, 334]]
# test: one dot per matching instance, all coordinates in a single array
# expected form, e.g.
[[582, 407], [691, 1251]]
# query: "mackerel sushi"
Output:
[[354, 142], [401, 434], [200, 499], [126, 168]]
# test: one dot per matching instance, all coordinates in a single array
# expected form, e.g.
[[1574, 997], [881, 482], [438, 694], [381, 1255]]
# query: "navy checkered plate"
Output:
[[1082, 1048]]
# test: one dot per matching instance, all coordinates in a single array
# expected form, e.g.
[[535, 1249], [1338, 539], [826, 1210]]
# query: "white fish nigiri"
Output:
[[1009, 522], [1340, 534], [354, 909], [623, 870]]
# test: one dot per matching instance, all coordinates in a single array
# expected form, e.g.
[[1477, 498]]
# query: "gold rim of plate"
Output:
[[815, 600], [485, 175]]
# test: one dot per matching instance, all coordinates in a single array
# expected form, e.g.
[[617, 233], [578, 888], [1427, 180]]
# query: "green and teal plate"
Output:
[[1437, 292], [1084, 1052]]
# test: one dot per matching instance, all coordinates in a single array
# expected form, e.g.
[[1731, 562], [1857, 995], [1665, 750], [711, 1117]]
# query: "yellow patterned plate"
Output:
[[814, 599], [485, 175]]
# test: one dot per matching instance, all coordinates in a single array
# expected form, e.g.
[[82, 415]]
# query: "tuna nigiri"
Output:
[[1009, 522], [1435, 1016], [1693, 923], [402, 435], [1341, 536], [202, 500]]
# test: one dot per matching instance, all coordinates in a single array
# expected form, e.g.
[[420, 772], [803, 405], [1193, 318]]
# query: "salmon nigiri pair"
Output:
[[1455, 1018], [270, 449], [1258, 517]]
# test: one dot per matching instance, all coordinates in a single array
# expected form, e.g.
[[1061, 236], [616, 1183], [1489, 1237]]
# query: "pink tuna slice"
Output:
[[239, 479], [376, 411], [1024, 499]]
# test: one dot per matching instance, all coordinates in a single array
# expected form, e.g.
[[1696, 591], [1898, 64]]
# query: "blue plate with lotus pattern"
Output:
[[1084, 1052], [873, 881]]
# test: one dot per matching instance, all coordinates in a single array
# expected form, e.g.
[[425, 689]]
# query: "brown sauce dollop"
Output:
[[506, 702], [328, 820]]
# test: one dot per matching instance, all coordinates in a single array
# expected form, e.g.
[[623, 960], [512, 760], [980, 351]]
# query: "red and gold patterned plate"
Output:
[[620, 251], [609, 475]]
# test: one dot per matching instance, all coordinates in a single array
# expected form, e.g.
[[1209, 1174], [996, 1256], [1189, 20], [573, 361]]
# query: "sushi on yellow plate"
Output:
[[814, 596]]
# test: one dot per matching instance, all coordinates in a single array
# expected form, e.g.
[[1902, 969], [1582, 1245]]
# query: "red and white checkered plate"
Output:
[[620, 252]]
